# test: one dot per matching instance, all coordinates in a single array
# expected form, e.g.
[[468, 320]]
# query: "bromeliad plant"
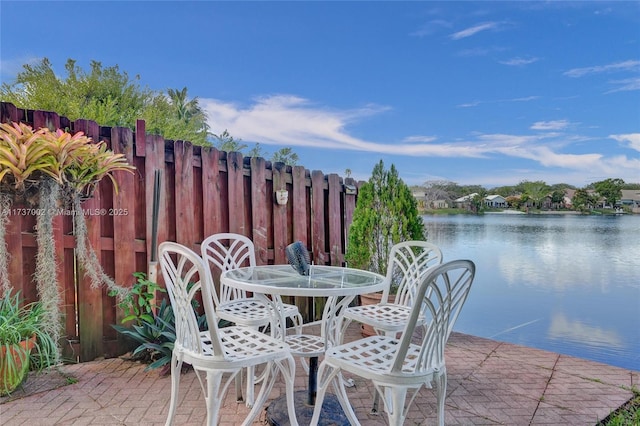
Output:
[[49, 169], [74, 162]]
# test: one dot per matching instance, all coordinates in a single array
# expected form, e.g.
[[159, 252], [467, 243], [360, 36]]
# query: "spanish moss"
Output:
[[5, 205], [46, 276], [87, 256]]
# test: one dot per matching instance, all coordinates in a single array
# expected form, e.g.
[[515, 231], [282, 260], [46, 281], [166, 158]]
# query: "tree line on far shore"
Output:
[[531, 193]]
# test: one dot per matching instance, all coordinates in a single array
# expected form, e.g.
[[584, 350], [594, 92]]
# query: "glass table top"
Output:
[[321, 281]]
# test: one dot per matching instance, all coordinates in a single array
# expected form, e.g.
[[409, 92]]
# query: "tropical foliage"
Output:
[[108, 96], [21, 323], [610, 190], [111, 97], [72, 161], [149, 325]]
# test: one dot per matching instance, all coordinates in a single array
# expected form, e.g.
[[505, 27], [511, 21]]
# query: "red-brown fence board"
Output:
[[90, 309], [259, 233], [203, 191], [280, 240], [211, 205], [236, 190]]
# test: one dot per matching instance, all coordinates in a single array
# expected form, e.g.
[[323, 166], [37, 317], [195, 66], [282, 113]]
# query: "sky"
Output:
[[474, 92]]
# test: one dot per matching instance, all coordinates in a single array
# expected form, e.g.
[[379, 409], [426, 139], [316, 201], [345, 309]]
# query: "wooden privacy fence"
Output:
[[204, 191]]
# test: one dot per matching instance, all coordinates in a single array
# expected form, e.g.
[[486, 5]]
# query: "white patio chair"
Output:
[[225, 251], [218, 352], [408, 260], [399, 368]]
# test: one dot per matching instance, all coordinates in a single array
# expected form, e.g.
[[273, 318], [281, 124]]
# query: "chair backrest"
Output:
[[443, 290], [227, 251], [408, 261], [185, 274]]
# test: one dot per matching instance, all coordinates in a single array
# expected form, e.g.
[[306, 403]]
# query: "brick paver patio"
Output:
[[490, 383]]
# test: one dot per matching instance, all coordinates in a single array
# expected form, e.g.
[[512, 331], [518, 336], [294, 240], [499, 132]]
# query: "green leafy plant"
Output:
[[386, 213], [24, 343], [139, 304], [154, 332], [156, 338]]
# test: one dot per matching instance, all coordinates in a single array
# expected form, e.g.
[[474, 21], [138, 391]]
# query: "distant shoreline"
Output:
[[439, 212]]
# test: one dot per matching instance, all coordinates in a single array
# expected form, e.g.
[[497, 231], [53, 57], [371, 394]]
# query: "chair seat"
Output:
[[246, 343], [385, 317], [251, 312], [305, 345], [240, 344], [372, 357]]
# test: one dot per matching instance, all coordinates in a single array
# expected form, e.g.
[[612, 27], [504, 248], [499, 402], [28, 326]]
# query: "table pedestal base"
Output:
[[331, 415]]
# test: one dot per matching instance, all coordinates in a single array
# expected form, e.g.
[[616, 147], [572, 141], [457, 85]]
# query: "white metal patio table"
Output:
[[340, 285]]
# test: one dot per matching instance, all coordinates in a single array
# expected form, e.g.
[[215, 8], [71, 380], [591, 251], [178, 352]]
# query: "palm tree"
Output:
[[188, 111]]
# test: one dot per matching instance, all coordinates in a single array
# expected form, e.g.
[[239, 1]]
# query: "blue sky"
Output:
[[475, 92]]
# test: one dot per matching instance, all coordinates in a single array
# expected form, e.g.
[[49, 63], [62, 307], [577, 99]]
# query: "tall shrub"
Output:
[[386, 213]]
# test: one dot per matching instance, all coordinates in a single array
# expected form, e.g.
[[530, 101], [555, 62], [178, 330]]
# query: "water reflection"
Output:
[[570, 284], [564, 329]]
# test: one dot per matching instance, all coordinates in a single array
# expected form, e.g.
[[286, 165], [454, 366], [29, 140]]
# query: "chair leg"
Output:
[[396, 411], [331, 375], [213, 399], [441, 393], [288, 369], [341, 392], [176, 366], [250, 386], [376, 403], [265, 389], [239, 397]]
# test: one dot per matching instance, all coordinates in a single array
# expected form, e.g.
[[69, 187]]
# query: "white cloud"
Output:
[[626, 85], [422, 139], [519, 61], [550, 125], [288, 120], [473, 30], [476, 103], [617, 66], [632, 140]]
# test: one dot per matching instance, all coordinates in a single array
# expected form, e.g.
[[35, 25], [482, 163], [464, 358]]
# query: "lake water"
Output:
[[564, 283]]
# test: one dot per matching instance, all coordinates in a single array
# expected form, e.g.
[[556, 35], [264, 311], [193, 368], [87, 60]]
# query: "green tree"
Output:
[[610, 189], [505, 191], [109, 97], [557, 197], [386, 213], [582, 200], [477, 201], [286, 156], [536, 191], [225, 142]]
